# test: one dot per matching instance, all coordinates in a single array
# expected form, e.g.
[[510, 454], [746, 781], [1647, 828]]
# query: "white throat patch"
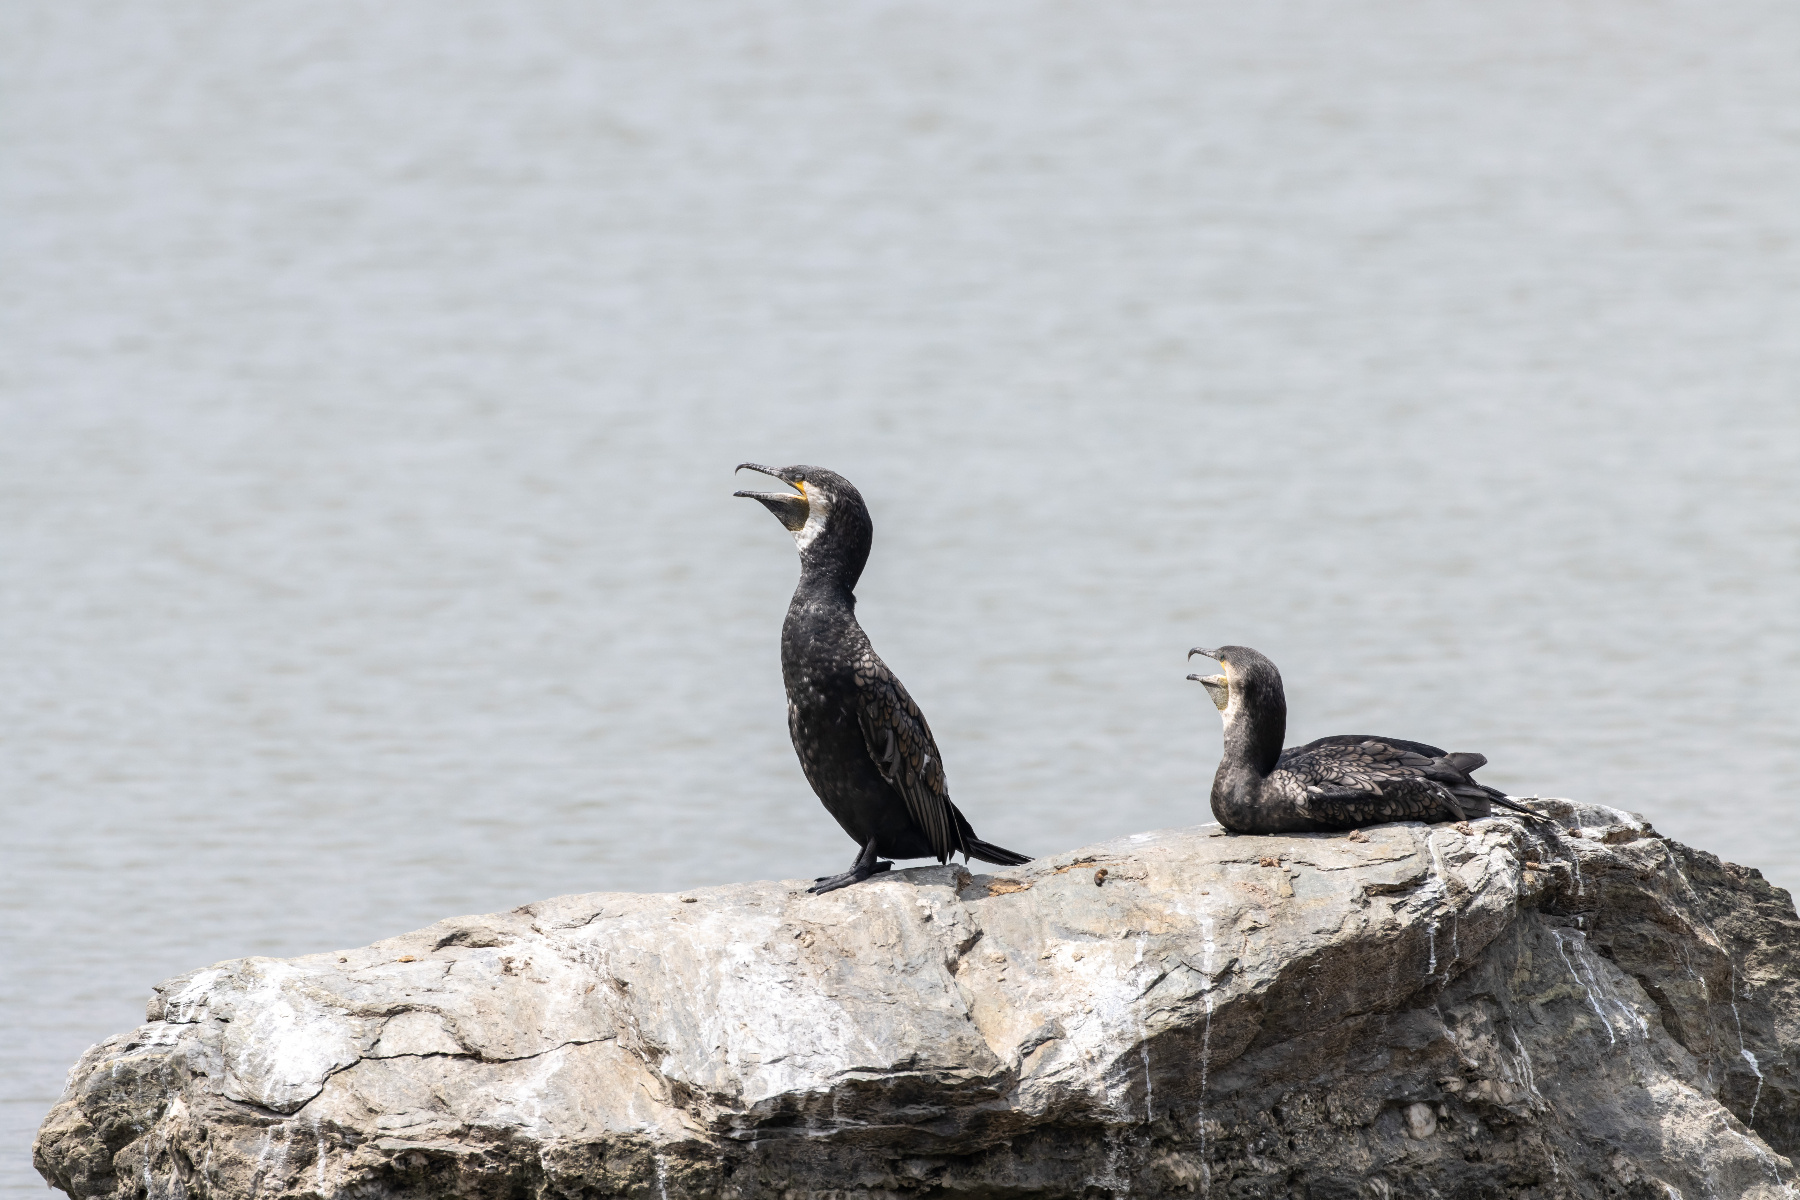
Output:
[[1232, 709], [818, 511]]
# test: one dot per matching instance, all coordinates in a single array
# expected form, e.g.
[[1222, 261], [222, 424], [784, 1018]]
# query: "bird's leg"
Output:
[[866, 864]]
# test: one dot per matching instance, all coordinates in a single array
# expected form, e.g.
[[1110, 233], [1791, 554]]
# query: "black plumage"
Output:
[[1340, 782], [862, 741]]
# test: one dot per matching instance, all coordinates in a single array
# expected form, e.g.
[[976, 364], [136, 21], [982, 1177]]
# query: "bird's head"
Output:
[[1248, 675], [824, 512]]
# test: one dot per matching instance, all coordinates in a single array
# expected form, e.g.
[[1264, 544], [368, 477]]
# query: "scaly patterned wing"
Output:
[[1352, 739], [904, 751], [1367, 782]]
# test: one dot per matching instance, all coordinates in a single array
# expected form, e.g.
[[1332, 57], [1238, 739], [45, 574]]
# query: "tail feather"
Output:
[[1505, 801], [987, 852], [1467, 762]]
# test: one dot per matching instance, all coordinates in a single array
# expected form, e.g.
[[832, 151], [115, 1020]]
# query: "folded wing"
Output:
[[1344, 783], [904, 751]]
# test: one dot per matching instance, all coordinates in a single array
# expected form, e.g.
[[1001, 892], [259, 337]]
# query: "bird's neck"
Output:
[[824, 589], [832, 556], [1253, 736], [1254, 733], [821, 620]]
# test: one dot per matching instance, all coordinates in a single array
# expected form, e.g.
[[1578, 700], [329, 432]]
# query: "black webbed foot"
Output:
[[832, 883], [866, 864]]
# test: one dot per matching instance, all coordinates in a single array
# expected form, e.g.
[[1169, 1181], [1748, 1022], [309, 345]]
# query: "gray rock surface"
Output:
[[1453, 1011]]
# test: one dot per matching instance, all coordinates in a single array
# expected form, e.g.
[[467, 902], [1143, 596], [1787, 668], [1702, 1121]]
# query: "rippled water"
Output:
[[373, 375]]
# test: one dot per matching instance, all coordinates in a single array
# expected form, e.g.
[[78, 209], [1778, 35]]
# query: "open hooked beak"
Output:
[[789, 507], [1217, 686]]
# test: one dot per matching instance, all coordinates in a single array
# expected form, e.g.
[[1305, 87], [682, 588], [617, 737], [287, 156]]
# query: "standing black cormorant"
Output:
[[1340, 782], [862, 742]]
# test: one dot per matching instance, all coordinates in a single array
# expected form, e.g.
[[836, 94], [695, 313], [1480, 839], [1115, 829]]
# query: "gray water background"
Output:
[[372, 377]]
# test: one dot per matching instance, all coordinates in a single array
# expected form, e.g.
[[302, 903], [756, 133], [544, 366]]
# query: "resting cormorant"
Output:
[[1340, 782], [863, 743]]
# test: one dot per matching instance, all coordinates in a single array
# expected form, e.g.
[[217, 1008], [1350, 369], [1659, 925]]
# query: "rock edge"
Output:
[[1451, 1010]]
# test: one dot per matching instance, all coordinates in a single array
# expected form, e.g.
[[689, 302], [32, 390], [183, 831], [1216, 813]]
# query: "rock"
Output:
[[1424, 1012], [1421, 1122]]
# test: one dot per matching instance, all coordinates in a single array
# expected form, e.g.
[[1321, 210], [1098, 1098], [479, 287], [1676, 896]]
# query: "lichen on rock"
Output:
[[1474, 1010]]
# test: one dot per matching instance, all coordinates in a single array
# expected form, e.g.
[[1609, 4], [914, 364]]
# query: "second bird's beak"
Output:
[[1217, 686], [789, 507]]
